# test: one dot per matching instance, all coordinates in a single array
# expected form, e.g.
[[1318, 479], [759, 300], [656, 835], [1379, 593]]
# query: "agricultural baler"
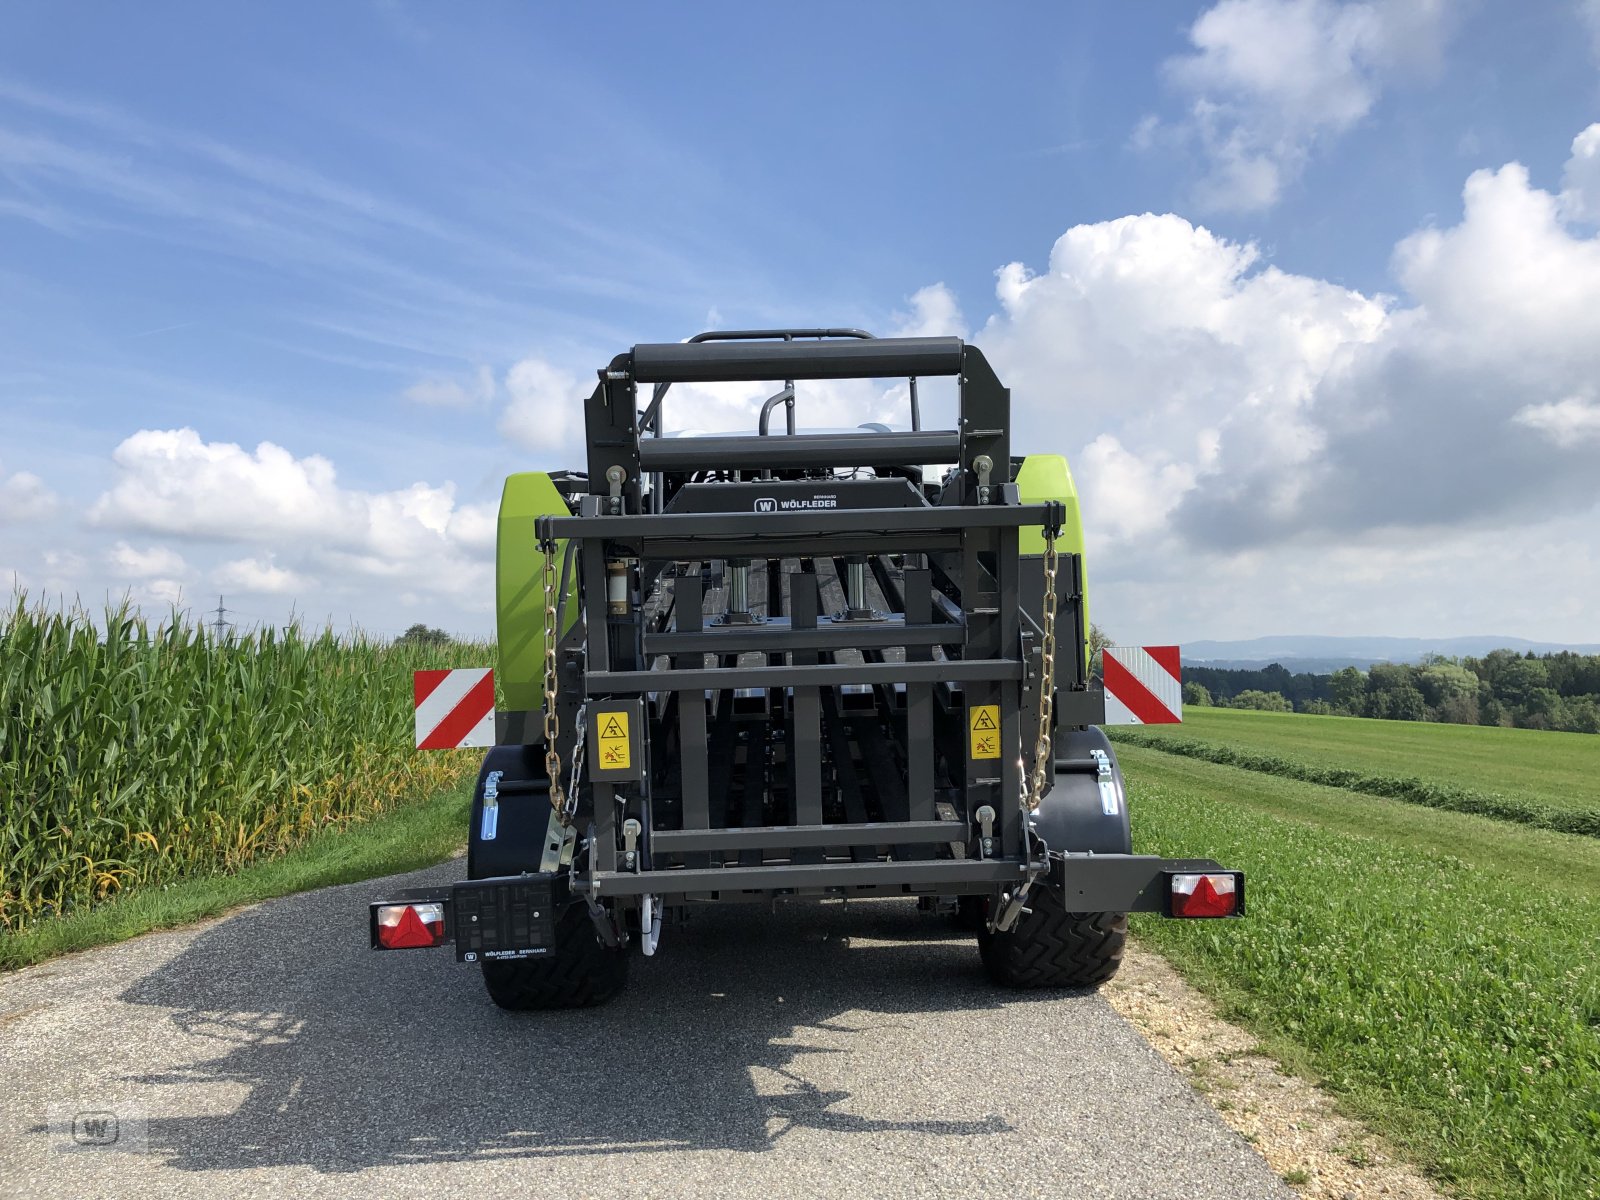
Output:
[[786, 666]]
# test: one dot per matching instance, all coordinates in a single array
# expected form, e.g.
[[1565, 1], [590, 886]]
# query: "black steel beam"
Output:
[[693, 744], [821, 675], [844, 875], [796, 545], [1088, 883], [789, 837], [652, 527], [711, 362], [805, 732], [919, 702]]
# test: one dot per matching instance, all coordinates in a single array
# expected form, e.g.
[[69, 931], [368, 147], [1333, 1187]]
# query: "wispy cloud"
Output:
[[1272, 80]]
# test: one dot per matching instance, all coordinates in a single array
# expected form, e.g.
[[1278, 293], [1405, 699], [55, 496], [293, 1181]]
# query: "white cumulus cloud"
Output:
[[1574, 421], [1171, 356], [1580, 193], [24, 497], [260, 575], [127, 562], [1243, 405], [173, 483], [1271, 79], [544, 412], [1273, 446]]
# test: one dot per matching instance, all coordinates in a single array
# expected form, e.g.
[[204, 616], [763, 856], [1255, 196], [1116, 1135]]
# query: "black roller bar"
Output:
[[816, 450], [711, 362]]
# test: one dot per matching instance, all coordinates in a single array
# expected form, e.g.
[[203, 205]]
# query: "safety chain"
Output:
[[1042, 761], [552, 719]]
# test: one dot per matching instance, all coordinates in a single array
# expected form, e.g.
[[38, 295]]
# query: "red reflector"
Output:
[[1204, 895], [410, 926]]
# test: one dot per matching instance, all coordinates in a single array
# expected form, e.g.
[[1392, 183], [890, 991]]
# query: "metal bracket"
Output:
[[616, 477], [555, 841], [491, 807], [984, 466], [631, 829], [986, 818], [1107, 780]]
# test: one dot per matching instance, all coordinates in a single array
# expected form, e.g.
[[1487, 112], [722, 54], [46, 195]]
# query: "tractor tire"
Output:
[[581, 971], [1052, 948]]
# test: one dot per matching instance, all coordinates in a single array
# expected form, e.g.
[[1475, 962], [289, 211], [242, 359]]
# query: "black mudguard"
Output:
[[523, 814], [1072, 817]]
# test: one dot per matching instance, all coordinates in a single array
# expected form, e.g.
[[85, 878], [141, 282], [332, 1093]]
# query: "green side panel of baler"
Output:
[[1047, 477], [519, 587]]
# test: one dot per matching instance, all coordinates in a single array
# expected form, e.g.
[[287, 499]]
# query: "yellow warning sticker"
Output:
[[985, 720], [613, 738]]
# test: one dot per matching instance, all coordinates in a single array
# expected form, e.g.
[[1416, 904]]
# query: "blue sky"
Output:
[[391, 240]]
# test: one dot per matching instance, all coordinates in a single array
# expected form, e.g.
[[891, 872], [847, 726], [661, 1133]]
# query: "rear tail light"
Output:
[[409, 926], [1216, 894]]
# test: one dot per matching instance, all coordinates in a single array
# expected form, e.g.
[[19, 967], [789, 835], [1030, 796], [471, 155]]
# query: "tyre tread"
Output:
[[581, 971], [1050, 947]]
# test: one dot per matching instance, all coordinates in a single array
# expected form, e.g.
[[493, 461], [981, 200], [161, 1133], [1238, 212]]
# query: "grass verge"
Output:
[[1557, 769], [1411, 790], [404, 839], [1429, 973]]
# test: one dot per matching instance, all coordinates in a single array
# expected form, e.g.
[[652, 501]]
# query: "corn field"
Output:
[[135, 753]]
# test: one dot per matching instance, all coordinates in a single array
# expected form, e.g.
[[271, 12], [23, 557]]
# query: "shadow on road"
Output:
[[330, 1056]]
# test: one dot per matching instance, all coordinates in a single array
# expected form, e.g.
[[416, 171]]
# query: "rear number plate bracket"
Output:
[[505, 918]]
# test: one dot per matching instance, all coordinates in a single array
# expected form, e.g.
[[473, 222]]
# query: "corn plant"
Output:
[[133, 753]]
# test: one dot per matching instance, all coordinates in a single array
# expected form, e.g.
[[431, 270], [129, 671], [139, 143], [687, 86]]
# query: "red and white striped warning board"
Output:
[[454, 708], [1143, 685]]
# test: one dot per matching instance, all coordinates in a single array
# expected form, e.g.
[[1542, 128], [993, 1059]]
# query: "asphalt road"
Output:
[[818, 1051]]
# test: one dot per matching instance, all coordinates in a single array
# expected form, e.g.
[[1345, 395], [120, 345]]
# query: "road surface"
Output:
[[822, 1051]]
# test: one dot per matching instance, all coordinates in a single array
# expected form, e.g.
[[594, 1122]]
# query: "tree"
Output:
[[1262, 701], [1583, 714], [1349, 688], [1098, 641], [420, 635], [1402, 702], [1520, 678], [1543, 709], [1196, 694], [1443, 681], [1458, 709]]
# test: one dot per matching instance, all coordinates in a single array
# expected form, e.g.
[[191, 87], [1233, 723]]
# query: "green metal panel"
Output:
[[519, 587], [1047, 477]]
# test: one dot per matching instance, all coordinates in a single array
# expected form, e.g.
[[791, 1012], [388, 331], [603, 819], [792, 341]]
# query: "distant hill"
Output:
[[1320, 655]]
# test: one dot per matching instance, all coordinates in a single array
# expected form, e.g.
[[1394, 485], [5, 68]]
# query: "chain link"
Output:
[[552, 719], [1042, 759]]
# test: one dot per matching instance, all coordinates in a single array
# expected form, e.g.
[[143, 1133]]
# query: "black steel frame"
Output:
[[972, 656]]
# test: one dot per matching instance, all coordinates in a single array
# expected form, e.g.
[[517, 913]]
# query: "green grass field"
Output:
[[1436, 970], [1560, 769]]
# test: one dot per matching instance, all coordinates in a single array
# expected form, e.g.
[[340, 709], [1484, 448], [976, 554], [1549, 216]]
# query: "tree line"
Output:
[[1528, 691]]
